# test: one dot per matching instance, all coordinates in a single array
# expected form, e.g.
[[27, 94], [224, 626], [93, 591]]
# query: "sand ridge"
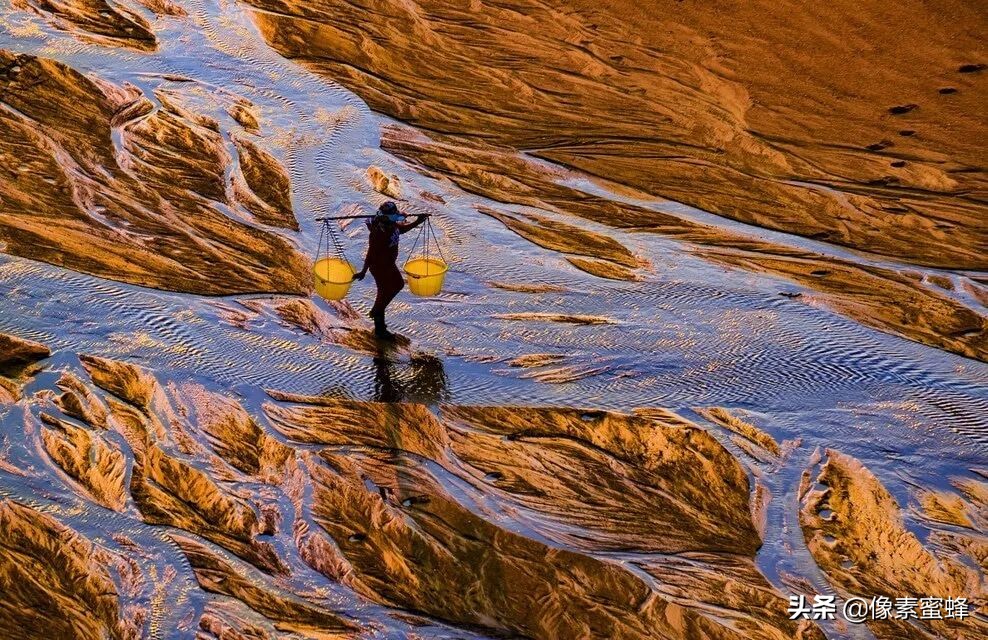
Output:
[[781, 116]]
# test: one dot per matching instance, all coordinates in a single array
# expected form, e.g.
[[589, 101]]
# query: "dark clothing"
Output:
[[382, 246], [382, 260], [389, 283]]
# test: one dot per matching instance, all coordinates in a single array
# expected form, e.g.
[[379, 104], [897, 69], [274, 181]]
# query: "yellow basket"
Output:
[[425, 275], [333, 278]]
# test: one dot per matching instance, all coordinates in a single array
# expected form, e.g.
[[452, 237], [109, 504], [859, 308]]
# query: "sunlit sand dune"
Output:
[[854, 123]]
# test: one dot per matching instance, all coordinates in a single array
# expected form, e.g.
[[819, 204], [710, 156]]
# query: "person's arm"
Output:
[[363, 271], [405, 227], [367, 257]]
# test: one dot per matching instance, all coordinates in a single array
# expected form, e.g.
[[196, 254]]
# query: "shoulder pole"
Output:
[[324, 218]]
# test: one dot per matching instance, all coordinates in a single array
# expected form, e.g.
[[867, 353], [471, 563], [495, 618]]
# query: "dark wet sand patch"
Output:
[[525, 287], [555, 317], [536, 360], [603, 269], [565, 238]]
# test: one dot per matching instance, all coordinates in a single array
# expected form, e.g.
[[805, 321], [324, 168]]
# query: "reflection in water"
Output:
[[421, 379]]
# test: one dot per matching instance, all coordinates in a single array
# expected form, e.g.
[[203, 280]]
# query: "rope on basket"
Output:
[[329, 232], [424, 236]]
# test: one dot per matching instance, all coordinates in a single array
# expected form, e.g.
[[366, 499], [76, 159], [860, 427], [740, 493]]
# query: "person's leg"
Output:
[[389, 284], [379, 301], [395, 285]]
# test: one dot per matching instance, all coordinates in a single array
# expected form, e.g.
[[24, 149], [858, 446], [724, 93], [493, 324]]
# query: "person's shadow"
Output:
[[421, 379]]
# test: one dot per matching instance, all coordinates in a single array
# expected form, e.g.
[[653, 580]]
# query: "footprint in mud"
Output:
[[411, 501], [902, 108], [884, 181], [971, 68], [878, 146]]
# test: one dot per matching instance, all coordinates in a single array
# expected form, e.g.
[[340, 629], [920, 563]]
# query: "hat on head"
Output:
[[390, 210]]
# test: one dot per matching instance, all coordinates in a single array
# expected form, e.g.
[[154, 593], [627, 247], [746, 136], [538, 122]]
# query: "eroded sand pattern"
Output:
[[624, 417]]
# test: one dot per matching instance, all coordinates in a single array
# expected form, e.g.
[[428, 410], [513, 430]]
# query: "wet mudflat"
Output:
[[636, 445]]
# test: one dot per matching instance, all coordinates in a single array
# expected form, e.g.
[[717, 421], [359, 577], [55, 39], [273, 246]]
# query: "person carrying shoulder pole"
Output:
[[387, 225]]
